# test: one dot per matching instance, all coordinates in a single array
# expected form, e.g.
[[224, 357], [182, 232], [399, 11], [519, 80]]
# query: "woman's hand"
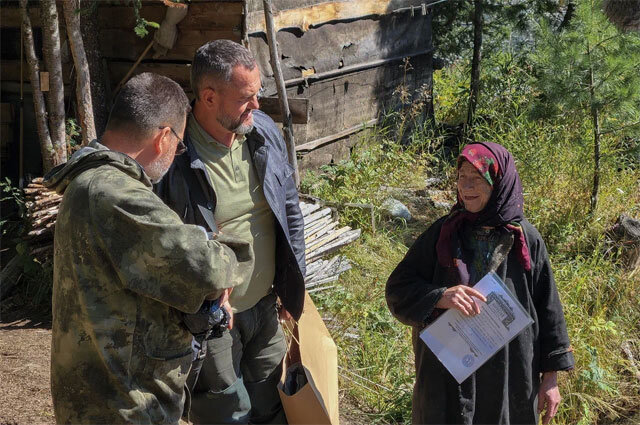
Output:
[[461, 297], [548, 396]]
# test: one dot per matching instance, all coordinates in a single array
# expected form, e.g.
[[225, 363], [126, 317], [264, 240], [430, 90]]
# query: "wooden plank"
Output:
[[11, 71], [309, 146], [6, 112], [201, 16], [190, 2], [123, 44], [328, 11], [180, 73], [11, 17], [44, 81], [299, 109], [348, 101]]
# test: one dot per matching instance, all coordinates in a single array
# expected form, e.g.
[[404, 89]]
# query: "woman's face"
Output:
[[474, 189]]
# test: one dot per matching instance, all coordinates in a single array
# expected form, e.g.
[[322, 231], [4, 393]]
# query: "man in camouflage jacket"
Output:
[[125, 267]]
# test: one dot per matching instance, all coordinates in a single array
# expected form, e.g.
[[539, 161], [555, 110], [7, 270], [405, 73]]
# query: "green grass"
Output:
[[601, 298]]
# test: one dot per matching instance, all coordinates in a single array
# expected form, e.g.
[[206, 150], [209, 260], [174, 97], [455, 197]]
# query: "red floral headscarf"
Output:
[[504, 208]]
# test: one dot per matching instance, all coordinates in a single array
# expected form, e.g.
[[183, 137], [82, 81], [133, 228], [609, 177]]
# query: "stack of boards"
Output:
[[322, 235]]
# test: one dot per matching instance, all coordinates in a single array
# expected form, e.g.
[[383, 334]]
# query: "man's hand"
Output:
[[224, 303], [461, 297], [548, 396], [284, 315]]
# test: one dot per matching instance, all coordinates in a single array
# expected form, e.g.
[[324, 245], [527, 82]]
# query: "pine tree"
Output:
[[590, 69], [478, 28]]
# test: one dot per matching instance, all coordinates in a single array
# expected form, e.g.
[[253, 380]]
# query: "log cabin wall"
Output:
[[342, 60]]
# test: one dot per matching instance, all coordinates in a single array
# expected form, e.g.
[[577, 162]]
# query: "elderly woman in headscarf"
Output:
[[485, 231]]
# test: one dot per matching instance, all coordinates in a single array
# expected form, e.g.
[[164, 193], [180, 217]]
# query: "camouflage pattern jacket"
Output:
[[125, 266]]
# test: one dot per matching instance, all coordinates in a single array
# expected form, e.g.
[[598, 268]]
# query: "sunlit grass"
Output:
[[554, 158]]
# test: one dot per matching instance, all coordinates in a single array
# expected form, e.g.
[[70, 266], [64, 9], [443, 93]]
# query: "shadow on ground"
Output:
[[24, 317]]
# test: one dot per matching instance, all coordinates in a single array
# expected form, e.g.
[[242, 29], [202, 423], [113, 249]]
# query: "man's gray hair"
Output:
[[216, 60], [145, 103]]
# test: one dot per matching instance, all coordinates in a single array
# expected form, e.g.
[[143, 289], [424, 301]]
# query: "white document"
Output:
[[464, 343]]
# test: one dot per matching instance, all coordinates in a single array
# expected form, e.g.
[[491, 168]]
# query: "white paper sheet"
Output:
[[464, 343]]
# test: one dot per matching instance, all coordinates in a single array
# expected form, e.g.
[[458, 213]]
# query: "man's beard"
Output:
[[234, 126], [158, 168]]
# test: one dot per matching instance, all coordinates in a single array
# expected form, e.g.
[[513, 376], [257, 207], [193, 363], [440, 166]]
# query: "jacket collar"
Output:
[[258, 149], [192, 153]]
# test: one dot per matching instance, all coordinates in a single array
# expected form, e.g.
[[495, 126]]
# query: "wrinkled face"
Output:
[[473, 189], [237, 98]]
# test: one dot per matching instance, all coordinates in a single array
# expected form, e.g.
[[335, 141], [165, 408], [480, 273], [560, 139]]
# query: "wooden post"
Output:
[[282, 92], [21, 153], [245, 24]]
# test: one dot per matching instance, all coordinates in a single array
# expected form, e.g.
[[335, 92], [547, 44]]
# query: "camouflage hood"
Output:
[[125, 270], [92, 156]]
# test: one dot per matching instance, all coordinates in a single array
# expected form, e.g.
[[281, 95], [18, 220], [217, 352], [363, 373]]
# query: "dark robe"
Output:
[[505, 389]]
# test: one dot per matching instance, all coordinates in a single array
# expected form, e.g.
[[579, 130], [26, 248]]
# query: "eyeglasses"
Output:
[[181, 148]]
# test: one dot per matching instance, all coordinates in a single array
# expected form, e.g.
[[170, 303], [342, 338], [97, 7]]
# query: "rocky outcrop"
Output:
[[625, 235]]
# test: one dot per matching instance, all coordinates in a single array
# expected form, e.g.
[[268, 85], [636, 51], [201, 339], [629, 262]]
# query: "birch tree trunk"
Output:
[[46, 147], [51, 52], [83, 79], [89, 29]]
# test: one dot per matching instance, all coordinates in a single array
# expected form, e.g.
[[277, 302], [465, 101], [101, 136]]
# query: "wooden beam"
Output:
[[352, 68], [203, 16], [12, 17], [180, 73], [123, 44], [309, 146], [328, 11], [299, 109], [11, 71]]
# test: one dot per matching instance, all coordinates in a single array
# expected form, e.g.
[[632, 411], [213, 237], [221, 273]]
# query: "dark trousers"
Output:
[[236, 381]]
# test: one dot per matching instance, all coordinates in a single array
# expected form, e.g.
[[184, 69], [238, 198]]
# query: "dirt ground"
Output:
[[25, 398], [25, 349], [25, 346]]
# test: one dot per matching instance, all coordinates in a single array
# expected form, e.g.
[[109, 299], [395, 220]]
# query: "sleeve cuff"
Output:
[[558, 360], [432, 312]]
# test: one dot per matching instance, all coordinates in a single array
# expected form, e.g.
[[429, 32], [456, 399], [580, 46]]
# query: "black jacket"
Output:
[[186, 188], [505, 389]]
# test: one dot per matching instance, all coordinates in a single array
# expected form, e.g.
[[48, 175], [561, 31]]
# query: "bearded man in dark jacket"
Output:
[[126, 268], [236, 180]]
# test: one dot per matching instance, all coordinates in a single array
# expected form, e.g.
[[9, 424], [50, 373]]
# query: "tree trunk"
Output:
[[51, 52], [596, 159], [568, 15], [46, 147], [83, 79], [474, 89], [89, 29], [596, 139]]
